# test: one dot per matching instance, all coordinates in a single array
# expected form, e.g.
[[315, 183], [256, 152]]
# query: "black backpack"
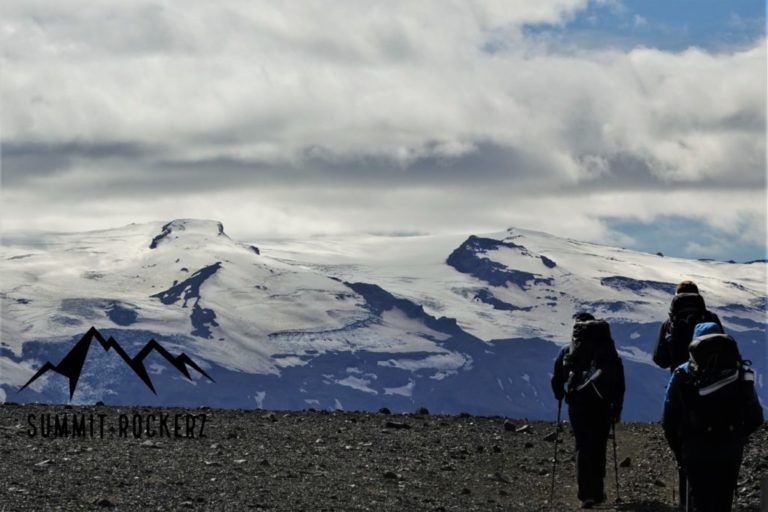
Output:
[[590, 362], [717, 387], [686, 310]]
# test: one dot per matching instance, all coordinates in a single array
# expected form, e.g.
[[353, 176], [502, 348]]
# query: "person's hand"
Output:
[[616, 417]]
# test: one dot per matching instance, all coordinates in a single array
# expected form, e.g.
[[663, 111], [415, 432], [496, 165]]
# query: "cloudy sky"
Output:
[[638, 123]]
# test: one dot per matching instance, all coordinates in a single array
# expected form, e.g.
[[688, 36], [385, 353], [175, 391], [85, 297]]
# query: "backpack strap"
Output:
[[708, 390], [590, 379]]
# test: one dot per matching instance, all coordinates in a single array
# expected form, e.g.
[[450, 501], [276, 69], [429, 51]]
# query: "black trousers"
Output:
[[590, 428], [682, 488], [713, 482]]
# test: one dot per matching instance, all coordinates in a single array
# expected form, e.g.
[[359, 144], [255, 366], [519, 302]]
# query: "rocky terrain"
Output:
[[318, 460]]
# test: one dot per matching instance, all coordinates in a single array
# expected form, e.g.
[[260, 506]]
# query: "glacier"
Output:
[[455, 323]]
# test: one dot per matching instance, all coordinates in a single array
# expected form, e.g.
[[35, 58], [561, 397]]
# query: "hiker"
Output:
[[686, 311], [711, 408], [589, 375]]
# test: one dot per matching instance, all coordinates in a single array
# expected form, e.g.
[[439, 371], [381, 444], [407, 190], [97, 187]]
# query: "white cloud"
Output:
[[312, 115]]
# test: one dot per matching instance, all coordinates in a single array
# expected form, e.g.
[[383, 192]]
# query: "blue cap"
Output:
[[705, 328]]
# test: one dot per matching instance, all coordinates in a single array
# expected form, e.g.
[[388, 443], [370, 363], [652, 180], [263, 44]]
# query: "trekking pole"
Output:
[[615, 462], [554, 459]]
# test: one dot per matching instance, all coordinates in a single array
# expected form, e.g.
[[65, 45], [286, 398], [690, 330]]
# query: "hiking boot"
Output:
[[588, 503]]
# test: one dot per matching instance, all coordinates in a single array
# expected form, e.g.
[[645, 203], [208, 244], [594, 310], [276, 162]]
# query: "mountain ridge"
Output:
[[458, 322]]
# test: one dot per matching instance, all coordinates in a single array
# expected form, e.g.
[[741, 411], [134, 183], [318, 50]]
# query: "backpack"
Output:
[[686, 310], [590, 362], [717, 387]]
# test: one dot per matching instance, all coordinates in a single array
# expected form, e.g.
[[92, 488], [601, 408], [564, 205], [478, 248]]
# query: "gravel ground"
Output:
[[322, 461]]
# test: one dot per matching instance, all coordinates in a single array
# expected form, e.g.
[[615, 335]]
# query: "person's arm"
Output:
[[753, 416], [661, 353], [672, 417], [558, 379]]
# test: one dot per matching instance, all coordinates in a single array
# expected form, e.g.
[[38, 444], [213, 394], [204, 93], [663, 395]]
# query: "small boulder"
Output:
[[397, 425], [103, 502], [550, 437]]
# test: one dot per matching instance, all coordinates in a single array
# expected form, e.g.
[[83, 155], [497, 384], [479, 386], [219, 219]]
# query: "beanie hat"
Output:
[[705, 328], [583, 316], [687, 287]]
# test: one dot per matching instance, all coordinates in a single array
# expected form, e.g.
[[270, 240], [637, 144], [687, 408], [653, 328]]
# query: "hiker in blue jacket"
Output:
[[711, 408], [685, 312]]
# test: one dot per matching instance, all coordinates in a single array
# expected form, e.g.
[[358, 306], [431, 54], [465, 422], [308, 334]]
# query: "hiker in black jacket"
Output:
[[589, 375], [686, 311], [710, 409]]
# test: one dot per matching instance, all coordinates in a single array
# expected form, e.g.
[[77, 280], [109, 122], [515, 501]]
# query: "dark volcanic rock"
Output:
[[328, 461], [202, 318], [487, 297], [397, 425], [637, 285], [468, 259]]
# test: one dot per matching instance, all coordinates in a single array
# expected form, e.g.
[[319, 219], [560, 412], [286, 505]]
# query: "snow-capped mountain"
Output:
[[453, 323]]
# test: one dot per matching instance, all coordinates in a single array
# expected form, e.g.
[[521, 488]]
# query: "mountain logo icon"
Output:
[[72, 363]]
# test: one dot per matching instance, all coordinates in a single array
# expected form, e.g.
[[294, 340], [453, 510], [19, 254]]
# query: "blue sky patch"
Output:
[[671, 25], [687, 238]]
